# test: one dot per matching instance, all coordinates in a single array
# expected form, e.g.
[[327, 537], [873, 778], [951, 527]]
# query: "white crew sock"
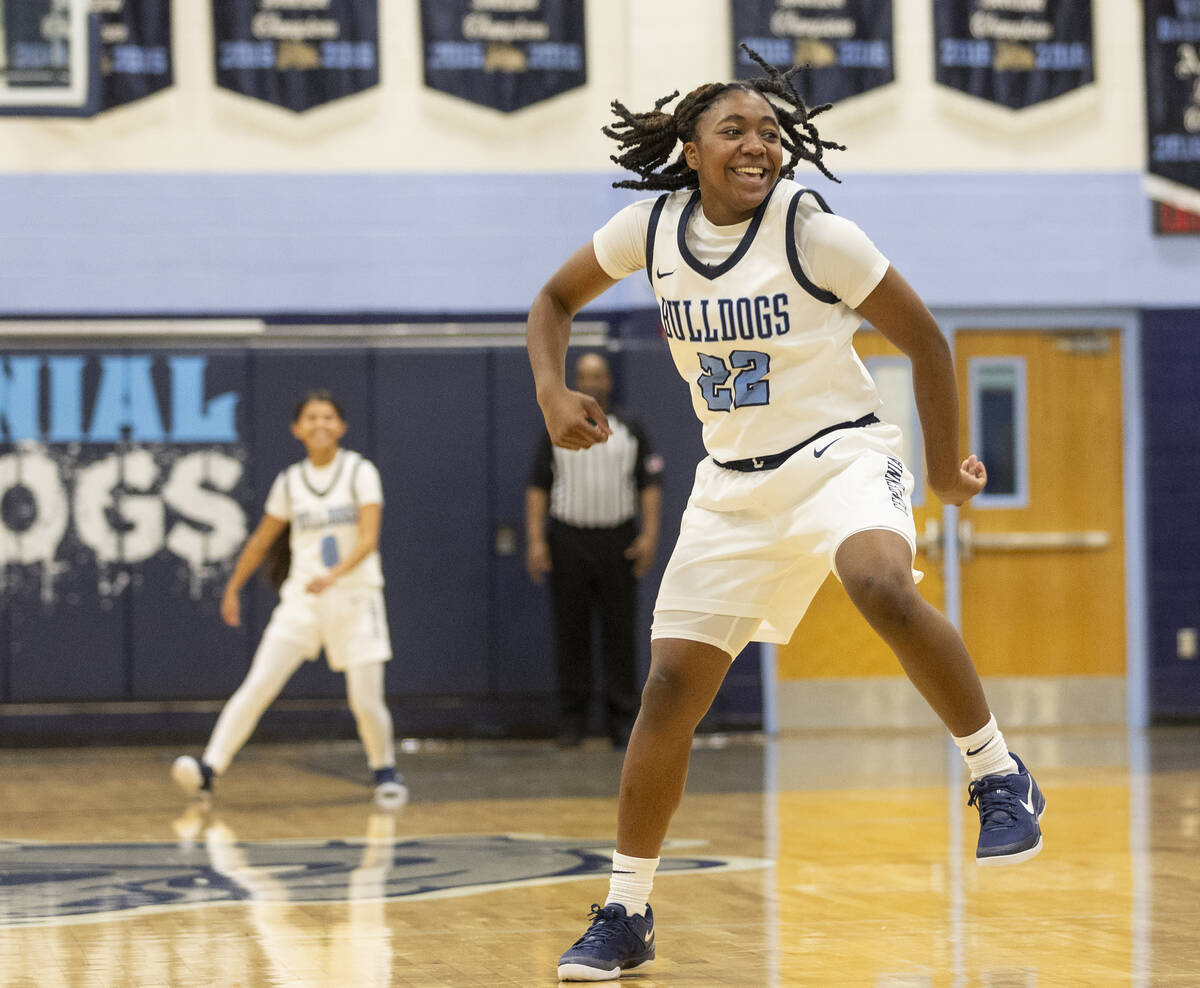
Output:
[[986, 753], [632, 879]]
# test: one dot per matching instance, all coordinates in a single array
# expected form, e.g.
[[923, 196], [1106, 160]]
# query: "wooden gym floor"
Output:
[[815, 859]]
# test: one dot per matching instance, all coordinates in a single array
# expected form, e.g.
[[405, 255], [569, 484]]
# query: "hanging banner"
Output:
[[296, 53], [844, 48], [504, 54], [135, 49], [1015, 53], [48, 63], [1173, 108]]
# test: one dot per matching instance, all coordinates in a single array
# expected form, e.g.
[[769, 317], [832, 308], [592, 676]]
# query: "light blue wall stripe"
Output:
[[424, 244]]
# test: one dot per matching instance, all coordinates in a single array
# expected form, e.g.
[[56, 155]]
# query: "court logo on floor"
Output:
[[48, 883]]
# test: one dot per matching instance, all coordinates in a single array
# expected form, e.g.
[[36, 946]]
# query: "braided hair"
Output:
[[647, 140]]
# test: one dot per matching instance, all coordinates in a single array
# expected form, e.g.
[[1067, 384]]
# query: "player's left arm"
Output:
[[369, 518], [895, 309]]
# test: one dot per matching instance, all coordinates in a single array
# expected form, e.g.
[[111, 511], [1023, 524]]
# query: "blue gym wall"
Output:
[[417, 244], [452, 432], [472, 634], [1171, 363]]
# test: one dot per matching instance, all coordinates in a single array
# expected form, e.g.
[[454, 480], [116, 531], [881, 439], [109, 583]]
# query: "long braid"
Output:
[[647, 140], [805, 143]]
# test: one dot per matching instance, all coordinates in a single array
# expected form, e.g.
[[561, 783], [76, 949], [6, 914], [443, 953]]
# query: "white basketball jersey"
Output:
[[767, 354], [324, 520]]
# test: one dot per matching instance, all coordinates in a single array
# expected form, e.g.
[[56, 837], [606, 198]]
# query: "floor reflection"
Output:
[[822, 859]]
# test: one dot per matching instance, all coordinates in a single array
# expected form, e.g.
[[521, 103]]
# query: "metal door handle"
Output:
[[969, 542]]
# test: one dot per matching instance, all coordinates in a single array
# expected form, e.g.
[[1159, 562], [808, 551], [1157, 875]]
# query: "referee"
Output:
[[581, 522]]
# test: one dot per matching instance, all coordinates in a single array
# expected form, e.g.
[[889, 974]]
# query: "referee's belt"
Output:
[[755, 463]]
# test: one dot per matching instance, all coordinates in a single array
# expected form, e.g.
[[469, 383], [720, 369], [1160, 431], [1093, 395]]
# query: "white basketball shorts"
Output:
[[350, 623], [759, 545]]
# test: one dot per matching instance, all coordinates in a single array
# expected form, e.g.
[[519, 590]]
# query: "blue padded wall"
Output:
[[431, 417], [521, 625], [1171, 364], [452, 431]]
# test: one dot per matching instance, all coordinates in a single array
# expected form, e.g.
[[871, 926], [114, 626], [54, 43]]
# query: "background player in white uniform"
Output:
[[332, 598], [760, 291]]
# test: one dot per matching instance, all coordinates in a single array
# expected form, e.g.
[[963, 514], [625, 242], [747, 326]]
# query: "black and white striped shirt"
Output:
[[597, 487]]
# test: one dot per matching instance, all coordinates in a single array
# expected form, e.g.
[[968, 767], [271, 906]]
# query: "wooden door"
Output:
[[1041, 551], [834, 641], [1041, 561]]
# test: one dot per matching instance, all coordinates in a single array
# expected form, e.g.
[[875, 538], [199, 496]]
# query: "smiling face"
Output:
[[737, 155], [320, 428]]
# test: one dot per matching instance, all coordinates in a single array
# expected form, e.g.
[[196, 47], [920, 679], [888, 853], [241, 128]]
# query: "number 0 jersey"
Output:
[[761, 334], [321, 504]]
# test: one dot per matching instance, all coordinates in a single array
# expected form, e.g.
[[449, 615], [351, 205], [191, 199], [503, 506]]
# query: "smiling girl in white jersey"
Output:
[[330, 504], [760, 290]]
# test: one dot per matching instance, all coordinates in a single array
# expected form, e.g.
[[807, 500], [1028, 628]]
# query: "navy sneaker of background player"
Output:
[[613, 942], [390, 790], [1010, 807]]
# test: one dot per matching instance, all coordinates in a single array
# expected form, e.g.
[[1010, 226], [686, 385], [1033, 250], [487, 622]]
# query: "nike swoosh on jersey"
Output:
[[818, 453], [664, 274]]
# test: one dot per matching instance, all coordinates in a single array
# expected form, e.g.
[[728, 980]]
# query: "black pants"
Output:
[[590, 573]]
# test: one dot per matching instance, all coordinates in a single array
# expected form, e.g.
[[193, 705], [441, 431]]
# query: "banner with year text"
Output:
[[1014, 53], [135, 49], [299, 56], [505, 56], [1173, 113], [843, 50]]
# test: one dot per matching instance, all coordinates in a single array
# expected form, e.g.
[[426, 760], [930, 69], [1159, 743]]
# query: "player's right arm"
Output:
[[573, 419], [251, 557]]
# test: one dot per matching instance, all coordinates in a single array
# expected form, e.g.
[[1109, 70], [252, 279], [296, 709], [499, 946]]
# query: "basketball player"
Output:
[[761, 289], [332, 598]]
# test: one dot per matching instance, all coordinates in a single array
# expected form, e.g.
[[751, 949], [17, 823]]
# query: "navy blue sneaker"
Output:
[[390, 791], [614, 942], [1010, 807]]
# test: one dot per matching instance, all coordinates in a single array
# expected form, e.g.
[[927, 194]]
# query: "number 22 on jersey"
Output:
[[748, 387]]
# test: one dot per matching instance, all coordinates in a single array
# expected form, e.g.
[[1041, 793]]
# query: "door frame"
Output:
[[1128, 323]]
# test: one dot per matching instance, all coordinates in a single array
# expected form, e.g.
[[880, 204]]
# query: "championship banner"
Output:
[[135, 49], [1173, 109], [504, 54], [1015, 53], [843, 46], [296, 53], [47, 66]]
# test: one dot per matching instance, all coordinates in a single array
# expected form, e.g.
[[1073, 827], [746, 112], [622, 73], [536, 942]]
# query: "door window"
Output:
[[1000, 429]]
